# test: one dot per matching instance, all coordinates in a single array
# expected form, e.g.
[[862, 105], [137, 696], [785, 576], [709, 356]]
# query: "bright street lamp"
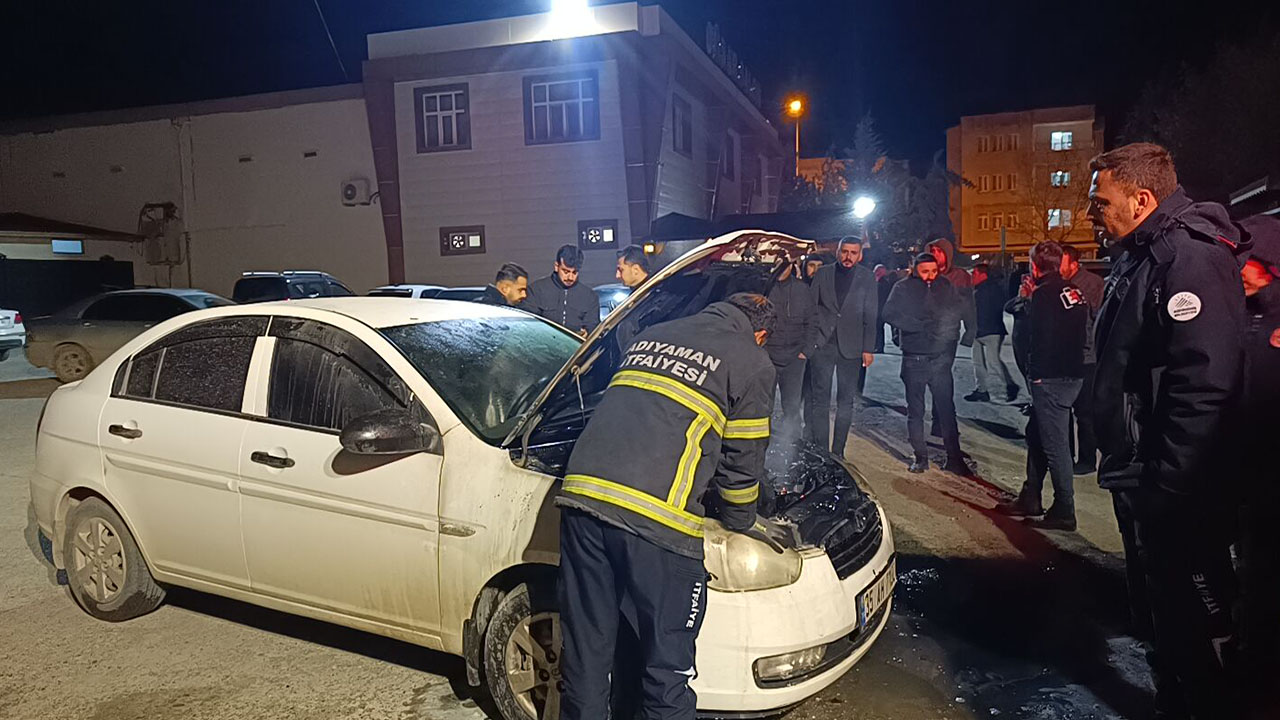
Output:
[[569, 18], [795, 109], [863, 206]]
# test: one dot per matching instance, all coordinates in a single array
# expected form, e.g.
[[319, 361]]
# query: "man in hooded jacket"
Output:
[[1170, 360], [945, 253]]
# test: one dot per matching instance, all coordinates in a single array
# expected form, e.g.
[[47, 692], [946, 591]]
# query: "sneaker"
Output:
[[918, 465], [1019, 508], [1011, 393], [1051, 522], [978, 396], [1084, 468]]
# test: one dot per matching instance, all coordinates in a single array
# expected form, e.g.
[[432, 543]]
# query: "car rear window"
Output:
[[399, 292], [256, 289]]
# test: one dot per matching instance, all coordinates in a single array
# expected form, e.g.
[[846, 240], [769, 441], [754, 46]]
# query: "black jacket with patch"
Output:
[[1058, 316], [576, 307], [1170, 355], [687, 409]]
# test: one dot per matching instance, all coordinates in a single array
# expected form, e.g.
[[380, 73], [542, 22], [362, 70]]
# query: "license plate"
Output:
[[875, 596]]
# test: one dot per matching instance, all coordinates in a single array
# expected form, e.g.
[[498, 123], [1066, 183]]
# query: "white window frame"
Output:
[[984, 222], [586, 104], [997, 219], [1011, 221], [457, 118], [1060, 140], [997, 183], [1059, 217], [1060, 178]]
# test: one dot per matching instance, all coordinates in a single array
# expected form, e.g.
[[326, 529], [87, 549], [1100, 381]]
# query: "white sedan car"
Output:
[[13, 334], [390, 464]]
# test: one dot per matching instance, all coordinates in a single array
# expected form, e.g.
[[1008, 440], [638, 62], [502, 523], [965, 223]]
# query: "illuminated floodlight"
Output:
[[863, 206], [570, 18]]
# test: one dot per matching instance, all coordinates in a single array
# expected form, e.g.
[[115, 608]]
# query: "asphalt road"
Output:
[[991, 619]]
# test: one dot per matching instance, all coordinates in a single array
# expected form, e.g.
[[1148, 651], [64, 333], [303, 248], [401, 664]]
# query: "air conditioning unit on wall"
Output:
[[356, 192]]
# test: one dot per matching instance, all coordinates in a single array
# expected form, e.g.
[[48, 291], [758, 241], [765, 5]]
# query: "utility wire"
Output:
[[336, 56]]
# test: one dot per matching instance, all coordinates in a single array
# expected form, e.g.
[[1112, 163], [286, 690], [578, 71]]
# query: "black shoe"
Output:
[[978, 396], [918, 465], [1025, 410], [957, 466], [1011, 393], [1084, 469], [1019, 508], [1053, 522]]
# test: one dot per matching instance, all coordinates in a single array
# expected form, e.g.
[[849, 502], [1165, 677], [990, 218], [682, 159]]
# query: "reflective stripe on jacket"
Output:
[[688, 408]]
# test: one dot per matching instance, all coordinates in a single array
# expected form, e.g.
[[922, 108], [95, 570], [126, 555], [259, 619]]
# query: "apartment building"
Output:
[[1025, 173], [464, 146]]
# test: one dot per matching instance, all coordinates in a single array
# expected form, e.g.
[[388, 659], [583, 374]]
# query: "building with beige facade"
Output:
[[464, 147], [1025, 173]]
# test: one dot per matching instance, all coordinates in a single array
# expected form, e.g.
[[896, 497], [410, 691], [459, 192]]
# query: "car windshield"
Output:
[[488, 370]]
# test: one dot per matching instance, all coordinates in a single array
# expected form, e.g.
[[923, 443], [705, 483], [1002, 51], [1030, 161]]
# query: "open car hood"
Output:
[[742, 261]]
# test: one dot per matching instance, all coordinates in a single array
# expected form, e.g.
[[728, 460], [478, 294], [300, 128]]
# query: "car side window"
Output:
[[204, 365], [111, 307], [315, 387], [161, 307], [337, 289]]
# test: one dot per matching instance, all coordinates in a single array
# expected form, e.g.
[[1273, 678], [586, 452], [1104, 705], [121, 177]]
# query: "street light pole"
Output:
[[795, 108], [797, 147]]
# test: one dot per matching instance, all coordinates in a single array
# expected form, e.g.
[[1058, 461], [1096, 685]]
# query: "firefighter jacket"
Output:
[[576, 307], [1170, 353], [687, 412]]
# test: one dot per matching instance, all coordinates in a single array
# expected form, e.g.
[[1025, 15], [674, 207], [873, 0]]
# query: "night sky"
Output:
[[916, 65]]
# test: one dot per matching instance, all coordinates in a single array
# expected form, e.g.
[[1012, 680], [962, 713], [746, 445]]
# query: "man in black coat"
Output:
[[1057, 315], [843, 339], [926, 310], [1092, 286], [793, 302], [988, 296], [1259, 541], [560, 298], [1170, 360], [509, 287]]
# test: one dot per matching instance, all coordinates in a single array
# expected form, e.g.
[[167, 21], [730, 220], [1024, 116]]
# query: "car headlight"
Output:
[[738, 563]]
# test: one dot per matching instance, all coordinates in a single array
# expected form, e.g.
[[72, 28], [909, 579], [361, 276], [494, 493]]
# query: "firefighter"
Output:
[[687, 412], [1170, 358]]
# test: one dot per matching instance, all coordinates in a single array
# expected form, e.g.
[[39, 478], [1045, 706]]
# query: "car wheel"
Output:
[[105, 570], [522, 654], [71, 362], [4, 355]]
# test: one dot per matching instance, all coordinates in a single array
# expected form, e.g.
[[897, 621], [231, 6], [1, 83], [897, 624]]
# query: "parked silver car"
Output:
[[13, 335], [73, 341]]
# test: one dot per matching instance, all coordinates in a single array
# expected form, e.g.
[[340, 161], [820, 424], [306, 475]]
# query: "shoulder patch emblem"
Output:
[[1071, 297], [1184, 306], [1275, 338]]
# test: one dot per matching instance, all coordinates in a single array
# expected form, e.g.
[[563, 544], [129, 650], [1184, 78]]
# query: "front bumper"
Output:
[[817, 609]]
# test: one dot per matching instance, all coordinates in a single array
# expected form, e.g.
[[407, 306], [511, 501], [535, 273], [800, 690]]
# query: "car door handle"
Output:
[[275, 461], [127, 433]]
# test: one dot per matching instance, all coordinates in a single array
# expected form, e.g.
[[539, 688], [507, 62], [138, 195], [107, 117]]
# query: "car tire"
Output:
[[71, 362], [522, 654], [4, 355], [106, 572]]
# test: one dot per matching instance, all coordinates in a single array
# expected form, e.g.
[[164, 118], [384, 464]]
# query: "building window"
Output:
[[984, 222], [595, 234], [1059, 218], [996, 221], [462, 240], [1060, 140], [444, 118], [984, 143], [1013, 181], [998, 183], [561, 108], [681, 126], [1011, 221], [984, 183], [66, 247], [1060, 178], [1013, 141], [729, 165]]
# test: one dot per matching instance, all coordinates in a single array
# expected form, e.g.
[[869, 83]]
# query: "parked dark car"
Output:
[[73, 341], [287, 285]]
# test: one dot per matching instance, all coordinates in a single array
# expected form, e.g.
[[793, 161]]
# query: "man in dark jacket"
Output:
[[945, 253], [884, 286], [1170, 357], [988, 296], [560, 298], [1259, 541], [699, 391], [842, 340], [926, 311], [792, 300], [509, 288], [1091, 285], [1057, 314]]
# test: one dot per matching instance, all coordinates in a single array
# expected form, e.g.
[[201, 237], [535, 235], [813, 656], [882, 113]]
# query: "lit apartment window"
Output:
[[984, 222], [463, 240], [1059, 218], [998, 183], [681, 126], [561, 108], [444, 122], [1060, 178], [1011, 220], [1060, 140], [996, 221], [1013, 179]]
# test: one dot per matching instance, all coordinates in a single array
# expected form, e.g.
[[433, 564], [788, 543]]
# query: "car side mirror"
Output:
[[391, 431]]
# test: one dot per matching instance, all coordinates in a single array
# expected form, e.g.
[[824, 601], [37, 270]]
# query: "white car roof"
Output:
[[380, 312]]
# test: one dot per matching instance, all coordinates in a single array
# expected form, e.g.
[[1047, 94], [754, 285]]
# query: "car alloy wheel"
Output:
[[71, 363], [533, 665], [98, 564]]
